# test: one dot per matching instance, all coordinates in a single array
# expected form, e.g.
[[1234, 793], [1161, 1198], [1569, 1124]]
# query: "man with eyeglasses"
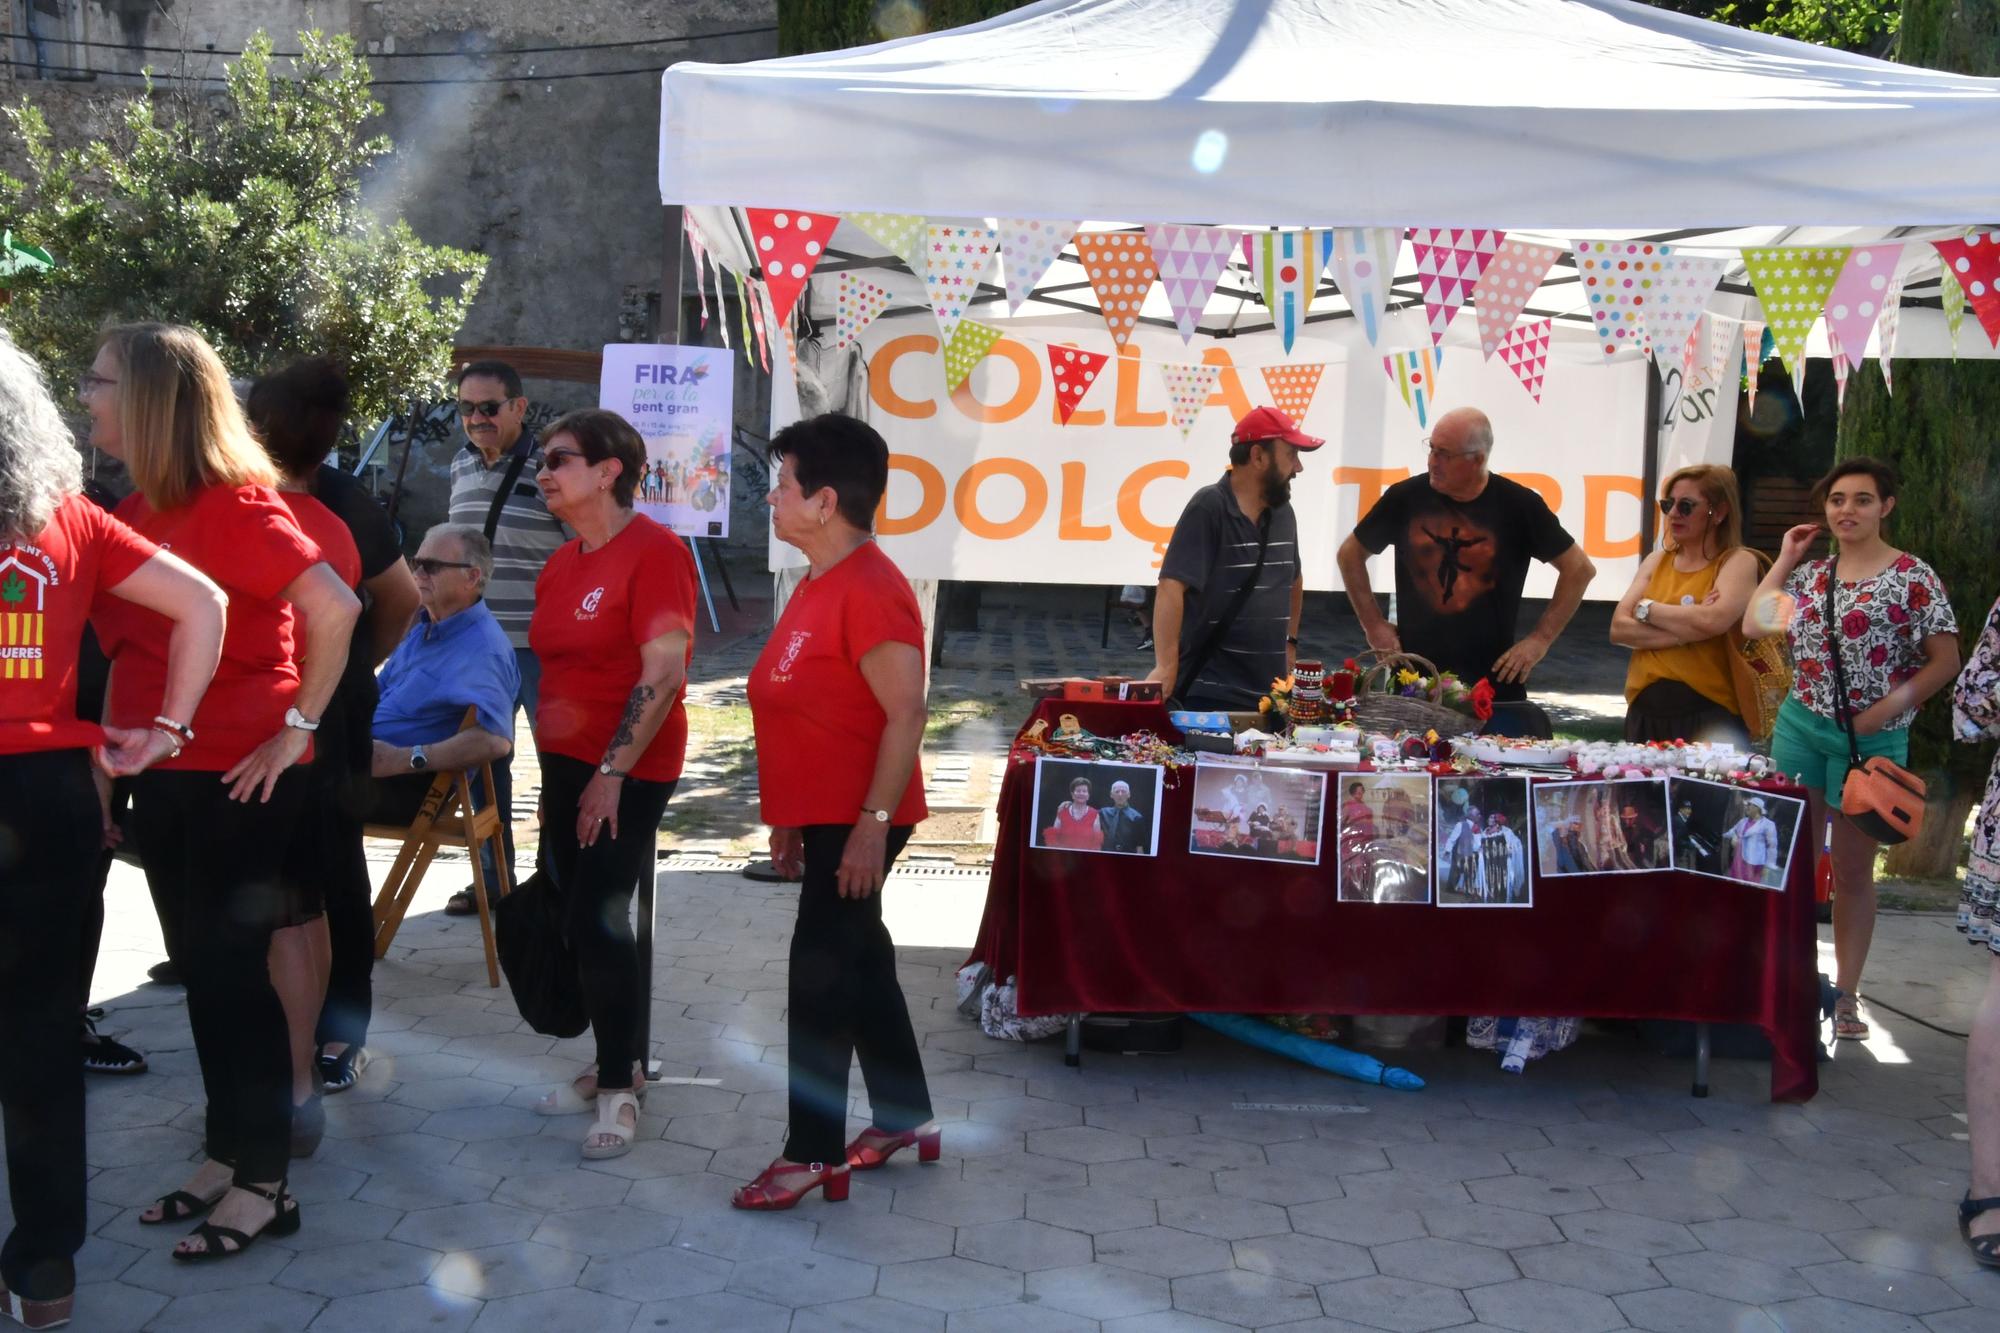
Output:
[[493, 490], [1463, 539]]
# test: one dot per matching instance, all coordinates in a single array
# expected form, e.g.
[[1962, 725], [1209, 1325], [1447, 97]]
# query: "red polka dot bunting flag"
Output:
[[1506, 286], [1415, 374], [1027, 247], [789, 244], [1855, 303], [1364, 264], [1188, 388], [1191, 260], [1121, 270], [1620, 278], [1525, 349], [1672, 316], [1450, 261], [1792, 286], [970, 342], [1292, 388], [1974, 263], [1285, 268], [858, 303], [958, 256], [1073, 371]]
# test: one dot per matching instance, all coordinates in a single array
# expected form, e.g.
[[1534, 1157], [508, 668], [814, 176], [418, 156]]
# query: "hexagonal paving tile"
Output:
[[596, 1232], [1250, 1299], [1083, 1143], [1091, 1210], [950, 1284], [1151, 1179], [661, 1274], [1099, 1291], [540, 1311], [1674, 1310], [954, 1203], [711, 1311], [252, 1309], [882, 1238], [1883, 1288], [466, 1226], [1787, 1247], [1543, 1307], [1446, 1263], [1360, 1221], [868, 1314], [1484, 1224], [1394, 1303], [1588, 1268], [1303, 1258], [1645, 1236], [369, 1265], [1529, 1195], [506, 1270], [427, 1308], [1023, 1245], [1224, 1217], [1018, 1319], [1164, 1252], [1662, 1199]]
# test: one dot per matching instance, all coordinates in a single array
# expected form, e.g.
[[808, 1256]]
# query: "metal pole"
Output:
[[701, 577], [648, 881], [1649, 467]]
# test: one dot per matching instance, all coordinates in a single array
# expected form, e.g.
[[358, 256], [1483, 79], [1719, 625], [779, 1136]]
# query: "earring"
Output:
[[822, 518]]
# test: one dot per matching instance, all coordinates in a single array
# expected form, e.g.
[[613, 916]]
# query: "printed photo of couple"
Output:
[[1260, 814], [1482, 847], [1083, 806], [1602, 828], [1733, 833], [1385, 838]]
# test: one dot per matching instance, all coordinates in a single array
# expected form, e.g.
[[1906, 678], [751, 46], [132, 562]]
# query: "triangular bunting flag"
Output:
[[1951, 299], [1621, 278], [789, 244], [1027, 247], [1974, 262], [958, 256], [1672, 314], [1697, 347], [1188, 388], [857, 302], [902, 234], [1292, 387], [1119, 265], [1855, 302], [1838, 352], [1364, 266], [1190, 260], [970, 341], [1892, 311], [1285, 268], [1505, 288], [1525, 349], [1073, 370], [1415, 374], [1450, 261], [1754, 334], [1792, 286], [1725, 348]]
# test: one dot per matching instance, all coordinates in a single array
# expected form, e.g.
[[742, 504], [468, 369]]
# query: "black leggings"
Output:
[[844, 1002], [329, 861], [49, 840], [215, 867], [597, 883]]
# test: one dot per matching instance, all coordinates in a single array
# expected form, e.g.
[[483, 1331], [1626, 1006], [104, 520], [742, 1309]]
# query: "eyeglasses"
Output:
[[1682, 506], [1436, 452], [89, 382], [429, 568], [485, 407], [553, 459]]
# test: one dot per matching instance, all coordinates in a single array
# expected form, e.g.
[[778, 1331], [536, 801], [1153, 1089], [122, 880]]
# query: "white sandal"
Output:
[[608, 1125], [566, 1100]]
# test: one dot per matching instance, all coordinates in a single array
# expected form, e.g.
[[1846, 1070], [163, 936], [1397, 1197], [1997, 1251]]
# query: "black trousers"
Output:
[[844, 1002], [597, 884], [49, 841], [216, 867], [329, 860]]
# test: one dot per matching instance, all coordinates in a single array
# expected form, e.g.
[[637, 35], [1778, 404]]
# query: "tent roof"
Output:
[[1566, 115]]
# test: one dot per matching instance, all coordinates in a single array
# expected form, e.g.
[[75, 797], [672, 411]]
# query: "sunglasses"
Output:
[[486, 407], [554, 459], [1682, 506], [429, 568]]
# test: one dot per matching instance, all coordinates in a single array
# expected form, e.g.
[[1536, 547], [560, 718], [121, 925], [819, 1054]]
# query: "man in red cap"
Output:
[[1226, 618]]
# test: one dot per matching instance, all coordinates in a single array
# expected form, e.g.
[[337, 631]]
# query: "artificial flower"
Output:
[[1482, 700], [1407, 677]]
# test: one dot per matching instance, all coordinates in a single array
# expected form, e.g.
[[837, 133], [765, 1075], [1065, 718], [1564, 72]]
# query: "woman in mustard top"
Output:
[[1677, 614]]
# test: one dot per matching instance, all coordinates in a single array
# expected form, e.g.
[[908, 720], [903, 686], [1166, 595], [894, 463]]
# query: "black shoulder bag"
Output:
[[1881, 798], [1207, 647], [514, 466]]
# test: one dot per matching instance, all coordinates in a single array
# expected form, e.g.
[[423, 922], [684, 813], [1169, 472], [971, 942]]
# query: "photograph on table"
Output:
[[1733, 832], [1384, 837], [1085, 806], [1258, 814], [1602, 828], [1482, 843]]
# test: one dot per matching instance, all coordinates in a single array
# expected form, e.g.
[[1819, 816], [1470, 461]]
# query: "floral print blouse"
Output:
[[1975, 716], [1881, 623]]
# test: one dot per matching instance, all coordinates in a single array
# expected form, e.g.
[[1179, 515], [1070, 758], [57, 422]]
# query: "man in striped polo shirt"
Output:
[[493, 489]]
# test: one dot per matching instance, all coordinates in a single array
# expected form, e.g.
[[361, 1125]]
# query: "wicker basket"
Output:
[[1377, 707]]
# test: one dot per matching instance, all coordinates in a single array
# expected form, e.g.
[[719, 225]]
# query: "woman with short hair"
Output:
[[1075, 826]]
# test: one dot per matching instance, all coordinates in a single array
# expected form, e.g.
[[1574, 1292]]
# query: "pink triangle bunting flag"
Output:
[[1027, 247], [1188, 388], [1753, 362], [1697, 345], [1974, 262], [1621, 278], [857, 303], [958, 257], [1951, 299], [1415, 374], [1855, 303], [1073, 371], [1838, 351], [1672, 314], [1792, 286], [970, 342], [1526, 352], [1285, 268], [1191, 260], [1885, 342], [1292, 387], [1505, 288], [1364, 266], [789, 244], [1450, 262]]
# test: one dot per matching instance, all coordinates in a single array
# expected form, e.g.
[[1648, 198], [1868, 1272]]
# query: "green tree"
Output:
[[1852, 25], [241, 215], [829, 25]]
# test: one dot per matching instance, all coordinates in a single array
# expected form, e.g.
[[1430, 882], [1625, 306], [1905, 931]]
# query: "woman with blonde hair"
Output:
[[1677, 614], [215, 821]]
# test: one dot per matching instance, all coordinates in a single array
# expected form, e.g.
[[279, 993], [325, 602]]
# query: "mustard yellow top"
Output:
[[1702, 666]]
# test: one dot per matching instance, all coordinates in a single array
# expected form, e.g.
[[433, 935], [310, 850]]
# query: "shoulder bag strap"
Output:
[[514, 466], [1840, 709], [1229, 614]]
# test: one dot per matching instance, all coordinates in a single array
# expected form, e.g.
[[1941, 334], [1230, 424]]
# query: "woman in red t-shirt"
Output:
[[614, 629], [214, 823], [837, 699], [1075, 826], [58, 552]]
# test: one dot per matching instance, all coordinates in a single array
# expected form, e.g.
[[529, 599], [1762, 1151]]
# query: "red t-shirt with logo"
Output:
[[47, 587], [592, 611], [818, 724], [245, 539]]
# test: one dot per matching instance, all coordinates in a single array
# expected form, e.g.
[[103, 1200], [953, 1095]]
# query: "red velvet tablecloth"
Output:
[[1180, 933]]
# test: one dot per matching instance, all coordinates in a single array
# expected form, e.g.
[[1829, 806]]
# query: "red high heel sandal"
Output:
[[863, 1156], [764, 1194]]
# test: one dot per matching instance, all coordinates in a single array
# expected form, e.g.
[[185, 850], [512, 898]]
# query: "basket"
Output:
[[1378, 708]]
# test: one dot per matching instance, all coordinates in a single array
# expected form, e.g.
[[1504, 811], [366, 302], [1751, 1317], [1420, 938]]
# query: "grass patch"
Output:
[[947, 716], [1591, 729]]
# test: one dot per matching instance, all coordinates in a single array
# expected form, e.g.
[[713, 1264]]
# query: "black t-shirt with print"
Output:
[[1460, 567]]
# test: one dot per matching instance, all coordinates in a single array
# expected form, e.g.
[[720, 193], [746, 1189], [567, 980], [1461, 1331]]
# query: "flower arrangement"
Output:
[[1447, 689]]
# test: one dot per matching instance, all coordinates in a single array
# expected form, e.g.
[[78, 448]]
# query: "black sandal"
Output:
[[284, 1222], [179, 1207], [338, 1073], [1986, 1249]]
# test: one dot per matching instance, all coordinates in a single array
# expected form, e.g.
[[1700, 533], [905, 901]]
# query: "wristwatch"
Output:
[[879, 816], [608, 771], [418, 760], [294, 718], [1643, 611]]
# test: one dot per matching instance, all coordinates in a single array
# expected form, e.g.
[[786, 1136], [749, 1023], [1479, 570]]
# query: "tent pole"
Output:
[[1649, 466]]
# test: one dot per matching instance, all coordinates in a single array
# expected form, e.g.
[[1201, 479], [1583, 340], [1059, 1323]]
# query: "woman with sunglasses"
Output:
[[614, 629], [1677, 614], [1884, 612]]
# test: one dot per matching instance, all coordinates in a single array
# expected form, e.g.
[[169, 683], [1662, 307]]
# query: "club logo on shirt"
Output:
[[588, 610], [782, 671], [23, 589]]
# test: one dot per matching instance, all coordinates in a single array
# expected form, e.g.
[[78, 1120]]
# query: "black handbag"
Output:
[[537, 958]]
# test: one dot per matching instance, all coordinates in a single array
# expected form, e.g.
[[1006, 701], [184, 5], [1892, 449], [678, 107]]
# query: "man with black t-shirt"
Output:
[[1463, 540]]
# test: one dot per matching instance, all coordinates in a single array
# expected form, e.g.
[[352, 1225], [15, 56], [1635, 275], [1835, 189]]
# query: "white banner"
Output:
[[679, 400]]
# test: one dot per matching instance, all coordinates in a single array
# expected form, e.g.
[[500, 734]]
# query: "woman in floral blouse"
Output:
[[1975, 716], [1898, 645]]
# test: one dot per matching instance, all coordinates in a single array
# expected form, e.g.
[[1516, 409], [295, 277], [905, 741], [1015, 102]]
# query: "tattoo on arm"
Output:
[[635, 704]]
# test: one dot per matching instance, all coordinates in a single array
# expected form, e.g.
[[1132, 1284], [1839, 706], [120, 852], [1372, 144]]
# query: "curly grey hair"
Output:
[[39, 464]]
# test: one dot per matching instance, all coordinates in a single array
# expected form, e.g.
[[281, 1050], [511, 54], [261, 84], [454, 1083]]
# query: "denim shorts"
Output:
[[1812, 750]]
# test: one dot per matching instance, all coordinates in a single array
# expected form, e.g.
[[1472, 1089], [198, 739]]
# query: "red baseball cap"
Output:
[[1268, 423]]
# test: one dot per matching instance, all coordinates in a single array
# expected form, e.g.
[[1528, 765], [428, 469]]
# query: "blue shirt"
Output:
[[440, 669]]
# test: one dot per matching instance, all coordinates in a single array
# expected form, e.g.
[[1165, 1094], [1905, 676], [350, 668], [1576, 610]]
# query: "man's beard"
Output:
[[1277, 489]]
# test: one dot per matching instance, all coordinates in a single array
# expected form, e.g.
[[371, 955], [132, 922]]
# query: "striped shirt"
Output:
[[1213, 551], [526, 536]]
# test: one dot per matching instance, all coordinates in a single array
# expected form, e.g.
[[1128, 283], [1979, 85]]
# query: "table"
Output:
[[1180, 933]]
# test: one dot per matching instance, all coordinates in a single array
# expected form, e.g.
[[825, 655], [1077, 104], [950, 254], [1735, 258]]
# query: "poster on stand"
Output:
[[1258, 814], [679, 400], [1082, 805], [1482, 843], [1602, 828], [1733, 833], [1385, 837]]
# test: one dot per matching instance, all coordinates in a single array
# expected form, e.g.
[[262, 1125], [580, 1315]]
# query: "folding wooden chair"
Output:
[[446, 819]]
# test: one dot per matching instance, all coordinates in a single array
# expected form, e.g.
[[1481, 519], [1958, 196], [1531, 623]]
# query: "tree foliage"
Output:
[[830, 25], [1851, 25], [242, 215]]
